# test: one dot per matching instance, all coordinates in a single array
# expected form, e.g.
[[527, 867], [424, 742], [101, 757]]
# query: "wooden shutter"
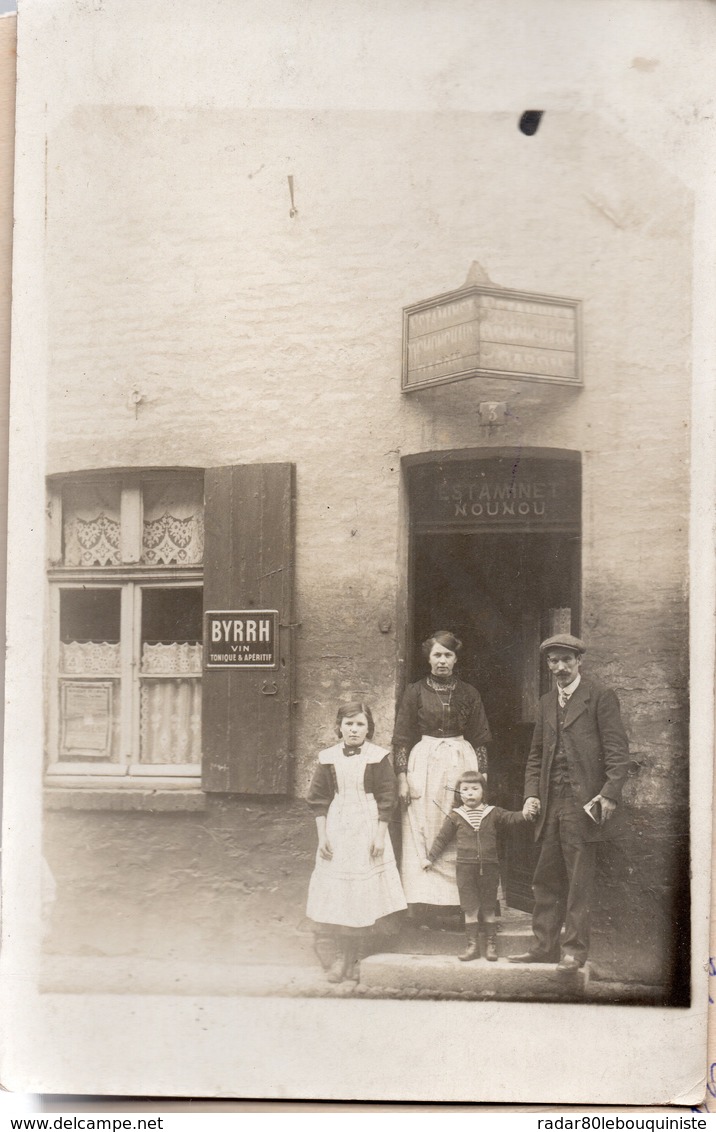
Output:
[[248, 564]]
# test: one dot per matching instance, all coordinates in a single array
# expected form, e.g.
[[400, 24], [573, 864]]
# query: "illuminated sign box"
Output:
[[491, 332], [240, 638]]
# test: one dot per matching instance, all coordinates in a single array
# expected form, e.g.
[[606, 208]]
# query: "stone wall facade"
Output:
[[194, 323], [252, 337]]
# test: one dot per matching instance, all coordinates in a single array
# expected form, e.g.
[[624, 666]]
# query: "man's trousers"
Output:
[[563, 883]]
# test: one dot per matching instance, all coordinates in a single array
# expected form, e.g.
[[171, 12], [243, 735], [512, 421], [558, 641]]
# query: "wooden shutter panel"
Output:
[[248, 564]]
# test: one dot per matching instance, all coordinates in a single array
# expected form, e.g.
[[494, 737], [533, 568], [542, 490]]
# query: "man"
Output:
[[577, 762]]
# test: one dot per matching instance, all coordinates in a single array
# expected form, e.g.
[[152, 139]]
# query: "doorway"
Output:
[[501, 581]]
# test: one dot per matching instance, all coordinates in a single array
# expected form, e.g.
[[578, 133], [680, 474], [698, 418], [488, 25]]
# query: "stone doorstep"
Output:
[[123, 976], [381, 976], [510, 941], [395, 973], [446, 974]]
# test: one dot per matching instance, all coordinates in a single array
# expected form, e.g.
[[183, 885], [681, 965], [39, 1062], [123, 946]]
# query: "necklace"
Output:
[[441, 688]]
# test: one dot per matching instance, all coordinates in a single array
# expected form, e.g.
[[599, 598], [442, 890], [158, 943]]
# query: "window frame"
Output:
[[132, 578]]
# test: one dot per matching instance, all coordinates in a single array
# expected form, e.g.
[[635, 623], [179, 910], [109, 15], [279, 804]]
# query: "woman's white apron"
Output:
[[434, 767]]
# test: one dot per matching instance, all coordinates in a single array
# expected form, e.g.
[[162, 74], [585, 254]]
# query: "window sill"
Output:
[[146, 796]]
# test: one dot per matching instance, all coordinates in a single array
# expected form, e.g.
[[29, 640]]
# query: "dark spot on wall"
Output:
[[529, 122]]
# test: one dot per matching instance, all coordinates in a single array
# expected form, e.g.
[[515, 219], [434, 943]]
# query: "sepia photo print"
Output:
[[351, 498]]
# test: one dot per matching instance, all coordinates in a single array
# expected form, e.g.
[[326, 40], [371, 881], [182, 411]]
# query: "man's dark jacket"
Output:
[[597, 751]]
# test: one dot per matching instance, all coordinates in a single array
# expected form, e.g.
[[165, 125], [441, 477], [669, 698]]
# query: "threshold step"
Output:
[[445, 974], [420, 941]]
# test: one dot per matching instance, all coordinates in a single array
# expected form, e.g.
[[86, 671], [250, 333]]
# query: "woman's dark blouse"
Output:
[[422, 712]]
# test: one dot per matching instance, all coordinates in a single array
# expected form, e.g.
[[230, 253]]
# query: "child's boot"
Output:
[[472, 951], [350, 959], [337, 968], [491, 946], [324, 946]]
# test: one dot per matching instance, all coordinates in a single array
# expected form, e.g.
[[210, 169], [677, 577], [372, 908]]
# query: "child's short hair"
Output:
[[353, 707], [471, 776]]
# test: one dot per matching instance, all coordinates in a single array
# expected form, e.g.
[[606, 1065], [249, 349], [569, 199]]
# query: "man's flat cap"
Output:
[[564, 641]]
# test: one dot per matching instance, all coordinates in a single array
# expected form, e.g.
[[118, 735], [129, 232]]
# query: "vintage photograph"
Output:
[[357, 381]]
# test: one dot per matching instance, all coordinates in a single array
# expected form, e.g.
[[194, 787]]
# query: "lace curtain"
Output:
[[90, 525], [173, 528], [178, 658], [85, 658], [171, 721], [170, 727]]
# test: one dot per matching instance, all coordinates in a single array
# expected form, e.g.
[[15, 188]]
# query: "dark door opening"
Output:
[[502, 592]]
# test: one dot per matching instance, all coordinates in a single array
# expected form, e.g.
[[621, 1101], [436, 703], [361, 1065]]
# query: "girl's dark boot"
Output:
[[351, 955], [337, 968], [325, 948], [491, 947], [472, 951]]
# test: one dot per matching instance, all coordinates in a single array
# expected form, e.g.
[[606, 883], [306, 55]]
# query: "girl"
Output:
[[355, 881]]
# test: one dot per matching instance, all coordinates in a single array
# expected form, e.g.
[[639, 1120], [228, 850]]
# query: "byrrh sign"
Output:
[[484, 331], [240, 638]]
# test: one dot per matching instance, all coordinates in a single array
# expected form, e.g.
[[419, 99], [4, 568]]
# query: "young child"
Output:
[[475, 825], [355, 881]]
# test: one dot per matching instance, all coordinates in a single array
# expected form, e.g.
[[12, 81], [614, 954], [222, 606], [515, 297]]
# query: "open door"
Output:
[[502, 582]]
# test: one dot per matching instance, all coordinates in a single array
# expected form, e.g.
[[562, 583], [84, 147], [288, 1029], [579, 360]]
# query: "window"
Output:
[[126, 575], [130, 584]]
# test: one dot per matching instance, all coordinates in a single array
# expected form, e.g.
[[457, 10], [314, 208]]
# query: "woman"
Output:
[[440, 732]]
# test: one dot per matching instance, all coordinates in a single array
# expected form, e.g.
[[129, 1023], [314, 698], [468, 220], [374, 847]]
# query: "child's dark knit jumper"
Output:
[[476, 833]]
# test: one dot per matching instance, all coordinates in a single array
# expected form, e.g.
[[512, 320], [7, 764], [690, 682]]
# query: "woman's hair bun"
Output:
[[442, 637]]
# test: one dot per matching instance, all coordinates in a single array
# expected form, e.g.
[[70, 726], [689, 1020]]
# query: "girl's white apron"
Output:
[[353, 889]]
